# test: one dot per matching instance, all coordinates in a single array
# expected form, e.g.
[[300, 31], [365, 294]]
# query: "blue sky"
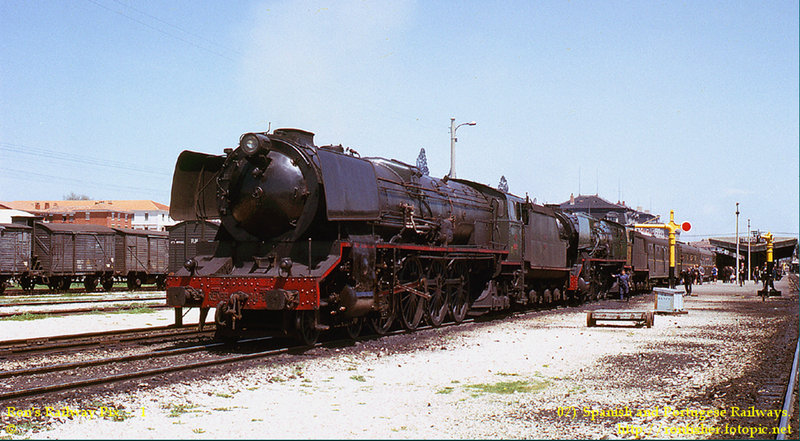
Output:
[[691, 106]]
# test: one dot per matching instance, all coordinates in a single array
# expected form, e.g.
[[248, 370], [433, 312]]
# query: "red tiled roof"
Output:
[[77, 205]]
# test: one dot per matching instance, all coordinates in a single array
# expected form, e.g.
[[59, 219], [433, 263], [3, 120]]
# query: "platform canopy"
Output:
[[783, 247]]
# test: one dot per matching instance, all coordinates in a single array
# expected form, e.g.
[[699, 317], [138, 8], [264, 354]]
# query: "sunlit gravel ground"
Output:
[[540, 375]]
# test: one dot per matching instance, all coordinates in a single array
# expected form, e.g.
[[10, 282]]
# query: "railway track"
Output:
[[74, 341], [10, 292], [76, 301], [31, 382], [790, 398], [81, 310]]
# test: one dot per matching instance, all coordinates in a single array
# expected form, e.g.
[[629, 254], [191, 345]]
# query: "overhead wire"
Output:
[[162, 31], [54, 155], [28, 175], [197, 36]]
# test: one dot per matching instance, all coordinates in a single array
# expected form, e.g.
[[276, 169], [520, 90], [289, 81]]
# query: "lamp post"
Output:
[[749, 271], [737, 244], [453, 140]]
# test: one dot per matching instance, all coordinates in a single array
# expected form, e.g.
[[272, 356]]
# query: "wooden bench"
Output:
[[640, 317]]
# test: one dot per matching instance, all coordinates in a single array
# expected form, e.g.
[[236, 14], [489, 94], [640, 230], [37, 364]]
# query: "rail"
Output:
[[787, 400]]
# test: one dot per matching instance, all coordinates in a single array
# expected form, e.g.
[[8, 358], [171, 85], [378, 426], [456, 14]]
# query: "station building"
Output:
[[136, 214], [595, 206]]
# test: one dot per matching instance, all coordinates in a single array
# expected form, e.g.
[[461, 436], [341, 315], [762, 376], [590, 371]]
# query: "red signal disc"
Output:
[[686, 226]]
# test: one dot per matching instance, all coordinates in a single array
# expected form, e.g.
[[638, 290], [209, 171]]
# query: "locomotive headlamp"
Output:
[[249, 145]]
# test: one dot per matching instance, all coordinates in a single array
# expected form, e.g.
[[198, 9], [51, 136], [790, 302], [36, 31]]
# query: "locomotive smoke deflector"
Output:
[[194, 192]]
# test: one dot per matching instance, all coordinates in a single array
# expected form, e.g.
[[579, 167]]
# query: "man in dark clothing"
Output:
[[624, 285], [687, 276]]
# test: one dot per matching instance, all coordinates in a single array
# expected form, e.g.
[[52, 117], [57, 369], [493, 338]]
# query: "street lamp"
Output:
[[453, 140], [736, 270], [749, 271]]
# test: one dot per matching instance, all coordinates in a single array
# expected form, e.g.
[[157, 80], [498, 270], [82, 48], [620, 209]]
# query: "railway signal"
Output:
[[671, 228], [769, 286]]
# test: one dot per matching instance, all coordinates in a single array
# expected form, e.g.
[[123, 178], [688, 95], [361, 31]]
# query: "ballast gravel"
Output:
[[542, 374]]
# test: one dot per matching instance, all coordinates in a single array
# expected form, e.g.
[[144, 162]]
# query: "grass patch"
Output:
[[223, 395], [198, 430], [133, 310], [25, 316], [177, 410], [358, 378], [577, 390], [119, 416], [446, 390], [509, 387]]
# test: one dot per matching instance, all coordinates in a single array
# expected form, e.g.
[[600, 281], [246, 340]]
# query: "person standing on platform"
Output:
[[702, 276], [624, 285], [714, 272], [687, 277], [742, 274]]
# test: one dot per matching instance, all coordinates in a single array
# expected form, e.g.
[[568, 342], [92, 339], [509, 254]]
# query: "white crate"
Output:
[[668, 300]]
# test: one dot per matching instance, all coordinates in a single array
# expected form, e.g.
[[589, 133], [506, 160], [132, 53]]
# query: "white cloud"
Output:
[[302, 59]]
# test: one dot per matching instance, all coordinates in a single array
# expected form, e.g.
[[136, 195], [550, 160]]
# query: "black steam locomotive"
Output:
[[318, 238]]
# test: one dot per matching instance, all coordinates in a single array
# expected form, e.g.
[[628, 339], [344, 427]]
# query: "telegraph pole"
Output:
[[749, 239], [737, 244]]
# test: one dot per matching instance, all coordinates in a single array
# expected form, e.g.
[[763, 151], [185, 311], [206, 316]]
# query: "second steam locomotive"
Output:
[[318, 238]]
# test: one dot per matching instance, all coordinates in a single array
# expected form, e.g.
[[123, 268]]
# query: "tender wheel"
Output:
[[458, 294], [436, 307], [306, 328], [107, 283], [410, 305], [90, 283]]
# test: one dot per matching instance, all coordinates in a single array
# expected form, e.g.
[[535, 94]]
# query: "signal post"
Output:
[[671, 228], [769, 285]]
